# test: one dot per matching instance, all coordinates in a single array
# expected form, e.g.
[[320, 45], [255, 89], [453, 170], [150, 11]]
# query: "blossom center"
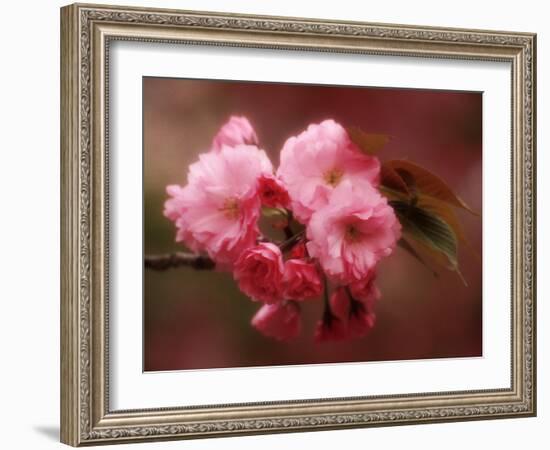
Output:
[[333, 177], [231, 208], [352, 234]]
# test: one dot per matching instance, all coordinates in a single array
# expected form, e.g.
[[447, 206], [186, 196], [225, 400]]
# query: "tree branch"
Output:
[[201, 262], [178, 259]]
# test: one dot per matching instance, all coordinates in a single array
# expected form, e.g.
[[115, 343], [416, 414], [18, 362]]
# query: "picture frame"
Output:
[[87, 32]]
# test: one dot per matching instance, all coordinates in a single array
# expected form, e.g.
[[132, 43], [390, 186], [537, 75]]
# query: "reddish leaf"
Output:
[[369, 143], [269, 211], [392, 180], [429, 184]]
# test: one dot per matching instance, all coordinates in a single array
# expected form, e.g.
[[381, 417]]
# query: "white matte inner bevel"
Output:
[[131, 388]]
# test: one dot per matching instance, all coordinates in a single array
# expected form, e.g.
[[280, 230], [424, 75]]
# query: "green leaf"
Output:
[[270, 212], [369, 143], [391, 194], [427, 183], [400, 184], [429, 230], [445, 212]]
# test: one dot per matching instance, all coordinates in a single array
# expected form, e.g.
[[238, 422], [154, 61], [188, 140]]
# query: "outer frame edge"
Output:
[[70, 226], [69, 431]]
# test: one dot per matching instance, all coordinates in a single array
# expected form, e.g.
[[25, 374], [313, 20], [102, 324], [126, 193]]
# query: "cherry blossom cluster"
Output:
[[337, 226]]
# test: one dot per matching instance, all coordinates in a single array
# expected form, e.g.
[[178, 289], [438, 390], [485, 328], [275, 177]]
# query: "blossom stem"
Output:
[[200, 262], [355, 305], [286, 245], [178, 259], [288, 232], [327, 313]]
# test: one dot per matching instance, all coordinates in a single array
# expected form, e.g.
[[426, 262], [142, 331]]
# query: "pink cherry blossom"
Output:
[[259, 272], [333, 325], [237, 130], [366, 290], [218, 210], [174, 209], [355, 230], [299, 250], [346, 318], [273, 193], [280, 320], [301, 280], [339, 303], [330, 330], [316, 161], [365, 294], [361, 320]]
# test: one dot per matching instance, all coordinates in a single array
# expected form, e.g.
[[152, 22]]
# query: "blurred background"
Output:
[[199, 320]]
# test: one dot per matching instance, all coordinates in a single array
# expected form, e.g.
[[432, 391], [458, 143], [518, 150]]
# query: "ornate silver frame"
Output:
[[86, 31]]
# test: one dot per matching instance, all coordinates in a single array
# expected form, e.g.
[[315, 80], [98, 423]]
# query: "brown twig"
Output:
[[289, 243], [178, 259], [201, 262]]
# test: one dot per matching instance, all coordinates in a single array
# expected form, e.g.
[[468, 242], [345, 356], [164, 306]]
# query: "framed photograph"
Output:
[[276, 225]]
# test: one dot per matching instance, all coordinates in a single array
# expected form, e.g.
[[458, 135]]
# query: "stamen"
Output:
[[333, 177], [231, 208], [352, 234]]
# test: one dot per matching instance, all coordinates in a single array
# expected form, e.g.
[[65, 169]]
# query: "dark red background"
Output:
[[201, 320]]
